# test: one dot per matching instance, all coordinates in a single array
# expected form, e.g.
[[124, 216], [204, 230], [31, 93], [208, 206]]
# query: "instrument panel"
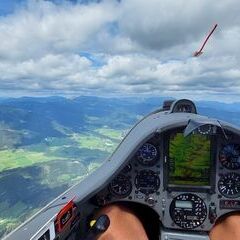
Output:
[[189, 181], [141, 175]]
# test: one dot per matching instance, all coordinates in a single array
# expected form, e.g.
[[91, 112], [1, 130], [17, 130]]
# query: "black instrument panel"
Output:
[[189, 191]]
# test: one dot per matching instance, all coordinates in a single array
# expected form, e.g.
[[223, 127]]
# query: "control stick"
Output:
[[98, 227]]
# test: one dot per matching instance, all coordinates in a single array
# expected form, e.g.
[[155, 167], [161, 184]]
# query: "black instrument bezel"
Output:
[[153, 160], [221, 149], [189, 188]]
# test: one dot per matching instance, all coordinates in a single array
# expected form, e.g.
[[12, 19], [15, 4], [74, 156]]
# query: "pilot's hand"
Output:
[[227, 228]]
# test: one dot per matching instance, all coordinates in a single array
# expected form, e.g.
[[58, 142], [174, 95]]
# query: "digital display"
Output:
[[183, 204], [189, 160]]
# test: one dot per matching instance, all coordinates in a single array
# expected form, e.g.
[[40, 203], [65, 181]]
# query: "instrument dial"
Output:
[[147, 154], [121, 186], [229, 185], [188, 211], [147, 181], [205, 129], [229, 156]]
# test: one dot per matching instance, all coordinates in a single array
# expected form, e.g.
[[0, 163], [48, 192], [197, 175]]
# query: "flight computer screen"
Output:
[[189, 160]]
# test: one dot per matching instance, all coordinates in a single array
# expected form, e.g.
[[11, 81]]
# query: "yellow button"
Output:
[[92, 223]]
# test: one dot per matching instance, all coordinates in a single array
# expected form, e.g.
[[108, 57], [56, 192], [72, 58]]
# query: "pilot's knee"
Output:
[[233, 221], [226, 228], [124, 224]]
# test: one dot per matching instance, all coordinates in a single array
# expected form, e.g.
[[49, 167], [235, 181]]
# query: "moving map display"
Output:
[[189, 160]]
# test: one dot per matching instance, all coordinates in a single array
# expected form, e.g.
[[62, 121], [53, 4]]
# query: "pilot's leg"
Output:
[[227, 229], [123, 224]]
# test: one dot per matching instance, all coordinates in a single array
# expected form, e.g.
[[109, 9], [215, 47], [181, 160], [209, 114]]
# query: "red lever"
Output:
[[65, 216]]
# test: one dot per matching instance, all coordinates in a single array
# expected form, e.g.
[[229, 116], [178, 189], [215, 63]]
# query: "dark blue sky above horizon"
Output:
[[8, 6]]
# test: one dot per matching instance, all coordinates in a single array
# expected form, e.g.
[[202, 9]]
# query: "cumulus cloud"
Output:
[[121, 47], [163, 24], [43, 27]]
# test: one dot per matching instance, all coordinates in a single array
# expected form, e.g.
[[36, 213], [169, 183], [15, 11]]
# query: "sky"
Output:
[[120, 48]]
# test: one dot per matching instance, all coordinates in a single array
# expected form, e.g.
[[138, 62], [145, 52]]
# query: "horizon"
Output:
[[119, 97]]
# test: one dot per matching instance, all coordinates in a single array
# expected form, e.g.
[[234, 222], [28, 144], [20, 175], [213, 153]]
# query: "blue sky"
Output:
[[113, 47], [7, 7]]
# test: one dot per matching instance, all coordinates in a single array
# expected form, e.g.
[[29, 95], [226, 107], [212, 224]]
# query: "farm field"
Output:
[[44, 170]]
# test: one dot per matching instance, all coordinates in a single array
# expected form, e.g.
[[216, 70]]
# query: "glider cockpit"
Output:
[[179, 170]]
